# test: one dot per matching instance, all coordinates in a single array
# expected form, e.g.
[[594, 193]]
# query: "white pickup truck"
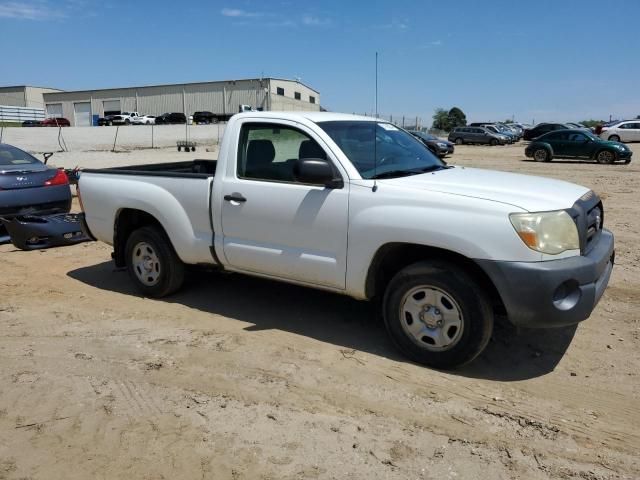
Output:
[[360, 207]]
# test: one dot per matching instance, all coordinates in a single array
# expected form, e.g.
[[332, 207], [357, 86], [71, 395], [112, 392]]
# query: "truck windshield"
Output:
[[395, 152]]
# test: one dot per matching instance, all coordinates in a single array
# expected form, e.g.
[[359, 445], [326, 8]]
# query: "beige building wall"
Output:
[[222, 98]]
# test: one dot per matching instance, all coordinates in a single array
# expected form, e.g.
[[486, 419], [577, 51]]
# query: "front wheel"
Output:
[[459, 141], [606, 156], [493, 142], [614, 138], [437, 315], [152, 263]]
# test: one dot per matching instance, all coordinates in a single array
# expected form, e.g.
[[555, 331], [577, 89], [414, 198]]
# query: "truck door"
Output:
[[273, 224]]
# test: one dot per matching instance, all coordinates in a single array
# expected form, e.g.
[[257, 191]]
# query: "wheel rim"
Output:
[[605, 157], [540, 155], [146, 264], [431, 318]]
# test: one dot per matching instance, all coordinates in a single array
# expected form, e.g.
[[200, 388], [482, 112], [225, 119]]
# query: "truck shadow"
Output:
[[338, 320]]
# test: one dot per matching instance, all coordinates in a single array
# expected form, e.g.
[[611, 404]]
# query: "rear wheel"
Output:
[[614, 138], [459, 141], [152, 263], [541, 155], [437, 315], [606, 156]]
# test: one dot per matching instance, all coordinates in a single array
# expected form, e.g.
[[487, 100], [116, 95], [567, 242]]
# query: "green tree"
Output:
[[457, 118], [441, 120], [592, 123]]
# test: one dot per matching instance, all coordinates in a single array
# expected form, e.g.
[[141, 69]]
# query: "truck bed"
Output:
[[177, 195], [193, 169]]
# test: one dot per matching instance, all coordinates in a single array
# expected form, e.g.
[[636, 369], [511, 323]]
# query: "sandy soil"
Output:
[[221, 381]]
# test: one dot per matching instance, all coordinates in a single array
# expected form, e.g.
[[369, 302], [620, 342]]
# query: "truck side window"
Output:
[[269, 152]]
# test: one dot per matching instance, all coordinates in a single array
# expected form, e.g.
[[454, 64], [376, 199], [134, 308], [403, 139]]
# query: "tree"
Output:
[[457, 118], [441, 120], [592, 123]]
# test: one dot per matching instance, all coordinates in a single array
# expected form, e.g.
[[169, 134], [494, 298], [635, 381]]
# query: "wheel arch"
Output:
[[390, 258], [127, 221]]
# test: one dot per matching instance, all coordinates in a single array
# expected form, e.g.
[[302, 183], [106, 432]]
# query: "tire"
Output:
[[459, 141], [109, 124], [127, 122], [493, 142], [606, 157], [150, 255], [614, 138], [470, 316], [541, 155]]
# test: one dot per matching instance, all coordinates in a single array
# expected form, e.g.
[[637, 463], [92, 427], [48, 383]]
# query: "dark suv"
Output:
[[462, 135], [542, 128], [175, 117], [205, 117]]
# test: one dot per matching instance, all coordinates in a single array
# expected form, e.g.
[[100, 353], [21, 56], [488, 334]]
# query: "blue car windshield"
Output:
[[381, 150]]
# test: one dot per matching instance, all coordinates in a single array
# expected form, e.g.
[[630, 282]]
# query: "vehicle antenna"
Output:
[[375, 126]]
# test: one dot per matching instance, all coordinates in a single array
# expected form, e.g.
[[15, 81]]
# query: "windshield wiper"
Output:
[[435, 168], [396, 173]]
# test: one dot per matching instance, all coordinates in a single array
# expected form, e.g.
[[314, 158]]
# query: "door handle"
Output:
[[235, 197]]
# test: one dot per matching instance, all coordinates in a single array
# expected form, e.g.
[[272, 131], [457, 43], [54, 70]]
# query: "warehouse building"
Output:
[[22, 102], [223, 98], [24, 96]]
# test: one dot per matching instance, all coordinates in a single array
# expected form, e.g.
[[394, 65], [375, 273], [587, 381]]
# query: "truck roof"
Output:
[[312, 116]]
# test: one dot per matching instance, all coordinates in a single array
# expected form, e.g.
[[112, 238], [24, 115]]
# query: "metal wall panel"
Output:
[[12, 96]]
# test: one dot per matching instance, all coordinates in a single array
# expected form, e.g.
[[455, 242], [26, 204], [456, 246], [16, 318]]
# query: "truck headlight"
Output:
[[546, 232]]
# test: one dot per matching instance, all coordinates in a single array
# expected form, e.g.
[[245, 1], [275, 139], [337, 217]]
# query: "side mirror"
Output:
[[316, 171]]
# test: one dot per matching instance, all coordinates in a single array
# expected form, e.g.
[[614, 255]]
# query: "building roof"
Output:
[[188, 83], [28, 86]]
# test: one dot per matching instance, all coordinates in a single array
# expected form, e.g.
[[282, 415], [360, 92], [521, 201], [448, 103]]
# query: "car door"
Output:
[[632, 132], [578, 145], [274, 225]]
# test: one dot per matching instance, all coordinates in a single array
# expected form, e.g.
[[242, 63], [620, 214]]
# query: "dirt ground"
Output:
[[240, 378]]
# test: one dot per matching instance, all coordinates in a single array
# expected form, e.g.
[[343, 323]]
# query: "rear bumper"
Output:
[[553, 293]]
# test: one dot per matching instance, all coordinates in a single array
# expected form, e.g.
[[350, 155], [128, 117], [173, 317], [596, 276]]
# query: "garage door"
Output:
[[54, 110], [111, 107], [82, 113]]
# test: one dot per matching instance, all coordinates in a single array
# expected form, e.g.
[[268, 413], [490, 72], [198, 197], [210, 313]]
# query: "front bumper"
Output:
[[31, 232], [554, 293]]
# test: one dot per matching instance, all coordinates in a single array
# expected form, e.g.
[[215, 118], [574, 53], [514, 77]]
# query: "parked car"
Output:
[[204, 117], [576, 143], [124, 118], [28, 186], [499, 130], [143, 120], [578, 126], [171, 118], [55, 122], [542, 128], [624, 131], [32, 123], [476, 135], [438, 246], [438, 147]]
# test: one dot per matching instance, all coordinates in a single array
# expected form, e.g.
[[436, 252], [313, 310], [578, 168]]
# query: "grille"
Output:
[[594, 223]]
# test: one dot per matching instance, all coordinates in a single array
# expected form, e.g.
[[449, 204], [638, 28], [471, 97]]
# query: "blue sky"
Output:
[[544, 60]]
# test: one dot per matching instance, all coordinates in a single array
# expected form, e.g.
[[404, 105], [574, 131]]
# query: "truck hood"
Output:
[[534, 194]]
